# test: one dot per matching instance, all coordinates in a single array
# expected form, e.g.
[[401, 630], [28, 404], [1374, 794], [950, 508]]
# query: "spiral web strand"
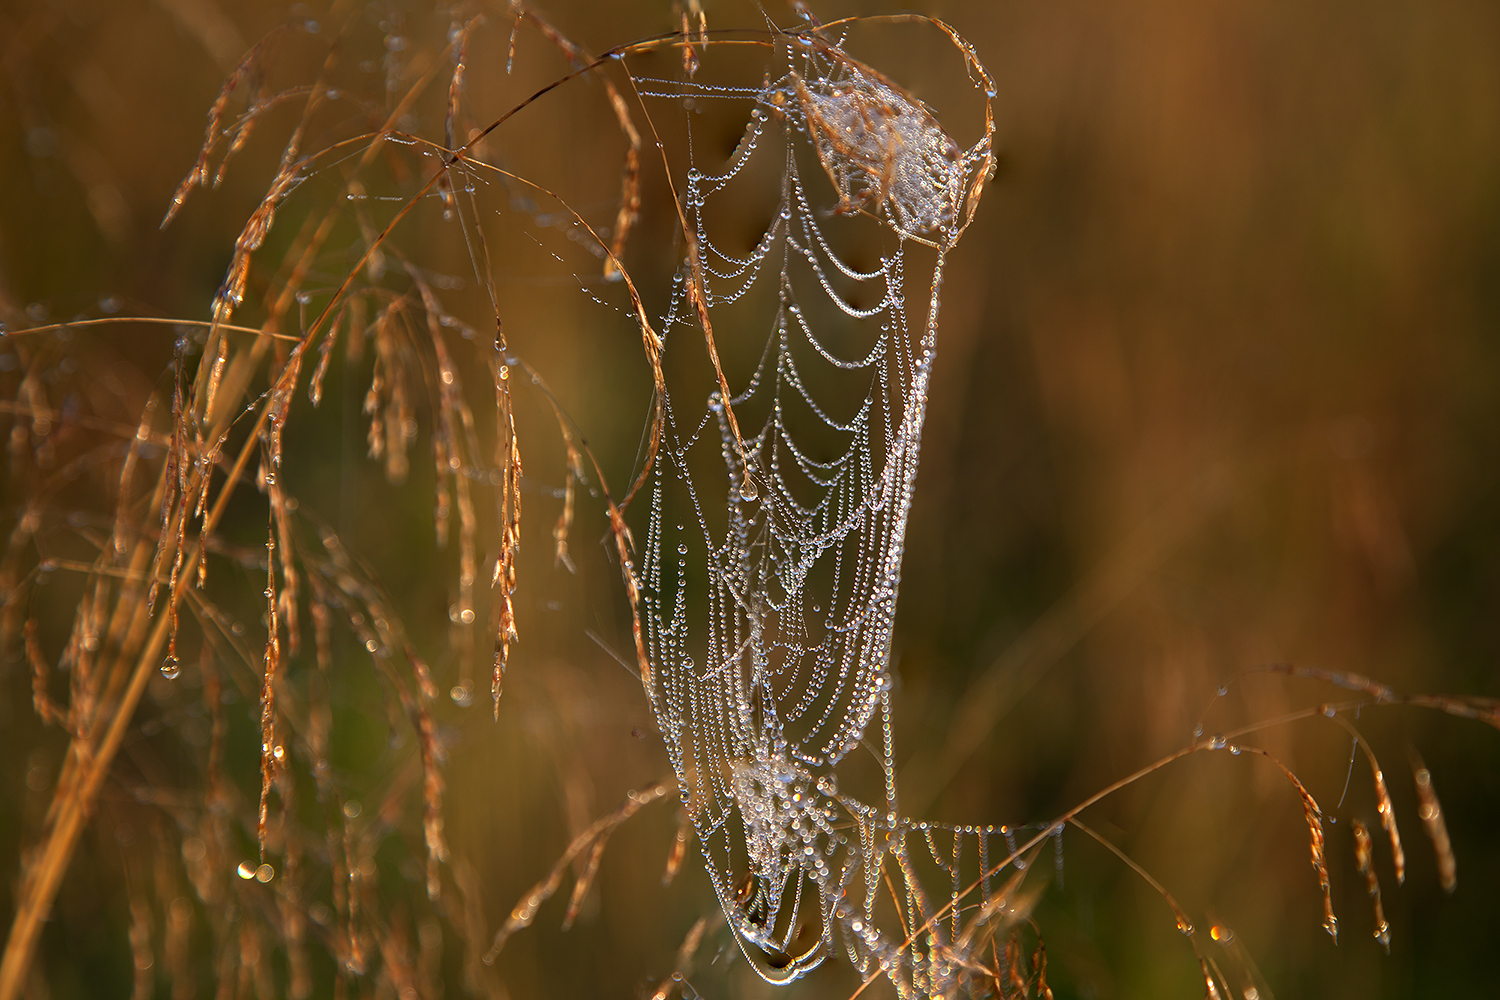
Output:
[[793, 497]]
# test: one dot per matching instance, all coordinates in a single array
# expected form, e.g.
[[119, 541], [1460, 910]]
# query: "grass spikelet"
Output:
[[46, 709], [573, 477], [1364, 858], [257, 227], [433, 755], [271, 751], [282, 508], [508, 460], [680, 843], [393, 424], [1039, 970], [1317, 842], [1430, 812], [584, 882], [1387, 810], [452, 405], [456, 85], [325, 354], [1383, 804], [247, 73], [140, 946]]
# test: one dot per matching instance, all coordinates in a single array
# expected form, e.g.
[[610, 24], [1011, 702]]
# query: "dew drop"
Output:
[[748, 489], [265, 873], [170, 668], [245, 871], [1218, 742], [461, 694]]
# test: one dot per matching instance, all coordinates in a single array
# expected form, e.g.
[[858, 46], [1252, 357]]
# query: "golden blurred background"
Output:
[[1218, 388]]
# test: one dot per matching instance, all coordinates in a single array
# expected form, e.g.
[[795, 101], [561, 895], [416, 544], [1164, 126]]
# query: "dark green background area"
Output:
[[1218, 386]]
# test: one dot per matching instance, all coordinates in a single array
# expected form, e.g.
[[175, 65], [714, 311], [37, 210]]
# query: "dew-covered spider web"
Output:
[[772, 560]]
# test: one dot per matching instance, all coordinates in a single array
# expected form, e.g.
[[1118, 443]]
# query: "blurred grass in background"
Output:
[[1218, 387]]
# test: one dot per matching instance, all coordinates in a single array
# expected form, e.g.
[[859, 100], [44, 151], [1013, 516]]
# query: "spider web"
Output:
[[772, 558]]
